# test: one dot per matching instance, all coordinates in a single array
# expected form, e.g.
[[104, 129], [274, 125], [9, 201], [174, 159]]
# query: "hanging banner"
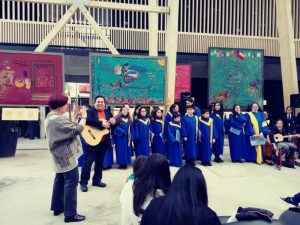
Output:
[[183, 80], [29, 78]]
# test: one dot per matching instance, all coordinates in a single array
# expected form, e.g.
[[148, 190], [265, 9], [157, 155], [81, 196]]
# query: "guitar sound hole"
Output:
[[90, 132]]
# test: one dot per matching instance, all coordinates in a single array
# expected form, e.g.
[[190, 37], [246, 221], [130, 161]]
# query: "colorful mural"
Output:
[[128, 79], [28, 78], [235, 76]]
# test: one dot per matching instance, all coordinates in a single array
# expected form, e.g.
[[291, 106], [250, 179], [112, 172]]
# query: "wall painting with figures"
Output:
[[128, 79], [29, 78], [235, 76]]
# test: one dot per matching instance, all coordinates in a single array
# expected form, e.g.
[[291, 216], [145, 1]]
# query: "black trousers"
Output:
[[94, 154], [64, 195]]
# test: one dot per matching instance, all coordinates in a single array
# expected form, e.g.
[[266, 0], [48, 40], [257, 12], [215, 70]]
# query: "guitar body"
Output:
[[278, 138], [93, 136]]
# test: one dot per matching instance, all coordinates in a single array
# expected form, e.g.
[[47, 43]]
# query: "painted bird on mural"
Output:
[[129, 75]]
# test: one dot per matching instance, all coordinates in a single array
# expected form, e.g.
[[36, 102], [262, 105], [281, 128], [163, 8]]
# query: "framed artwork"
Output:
[[131, 79], [29, 78], [236, 76]]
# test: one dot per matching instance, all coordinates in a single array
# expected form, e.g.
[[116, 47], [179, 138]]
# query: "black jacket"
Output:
[[93, 120], [289, 125]]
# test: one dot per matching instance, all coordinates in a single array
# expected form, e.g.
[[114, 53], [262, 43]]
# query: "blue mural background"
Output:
[[128, 79], [235, 76]]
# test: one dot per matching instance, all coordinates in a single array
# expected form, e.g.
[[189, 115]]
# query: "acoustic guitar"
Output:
[[93, 135], [280, 137]]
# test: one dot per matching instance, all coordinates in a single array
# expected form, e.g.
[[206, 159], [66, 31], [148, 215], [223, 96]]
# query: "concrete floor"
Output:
[[26, 184]]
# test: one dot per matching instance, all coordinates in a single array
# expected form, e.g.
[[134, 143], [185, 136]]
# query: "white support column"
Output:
[[60, 24], [153, 30], [42, 122], [287, 49], [171, 50], [99, 31]]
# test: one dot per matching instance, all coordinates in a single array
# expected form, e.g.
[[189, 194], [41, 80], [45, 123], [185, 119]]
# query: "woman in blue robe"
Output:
[[175, 141], [108, 160], [190, 135], [157, 134], [142, 133], [134, 119], [260, 128], [208, 136], [238, 127], [174, 108], [122, 139], [218, 116]]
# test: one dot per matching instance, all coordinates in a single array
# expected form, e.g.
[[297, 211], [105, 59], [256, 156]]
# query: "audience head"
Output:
[[155, 175], [236, 110], [58, 103], [138, 165], [205, 113], [187, 195]]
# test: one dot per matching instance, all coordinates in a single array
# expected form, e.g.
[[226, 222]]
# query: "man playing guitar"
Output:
[[279, 141], [99, 117]]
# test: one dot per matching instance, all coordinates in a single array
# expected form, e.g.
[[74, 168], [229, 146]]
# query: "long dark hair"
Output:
[[188, 193], [233, 109], [139, 115], [221, 111], [154, 111], [155, 175], [138, 106], [172, 107]]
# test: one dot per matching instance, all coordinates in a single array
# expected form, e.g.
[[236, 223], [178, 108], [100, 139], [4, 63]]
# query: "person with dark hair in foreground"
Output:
[[186, 203], [65, 149], [151, 182]]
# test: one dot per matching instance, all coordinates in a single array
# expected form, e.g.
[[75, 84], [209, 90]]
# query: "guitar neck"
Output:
[[289, 136]]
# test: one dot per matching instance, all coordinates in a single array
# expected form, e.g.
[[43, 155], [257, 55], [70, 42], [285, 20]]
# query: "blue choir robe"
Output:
[[239, 127], [122, 139], [108, 160], [190, 130], [175, 144], [142, 136], [206, 127], [259, 125], [218, 146], [157, 136], [197, 111], [84, 149], [168, 118]]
